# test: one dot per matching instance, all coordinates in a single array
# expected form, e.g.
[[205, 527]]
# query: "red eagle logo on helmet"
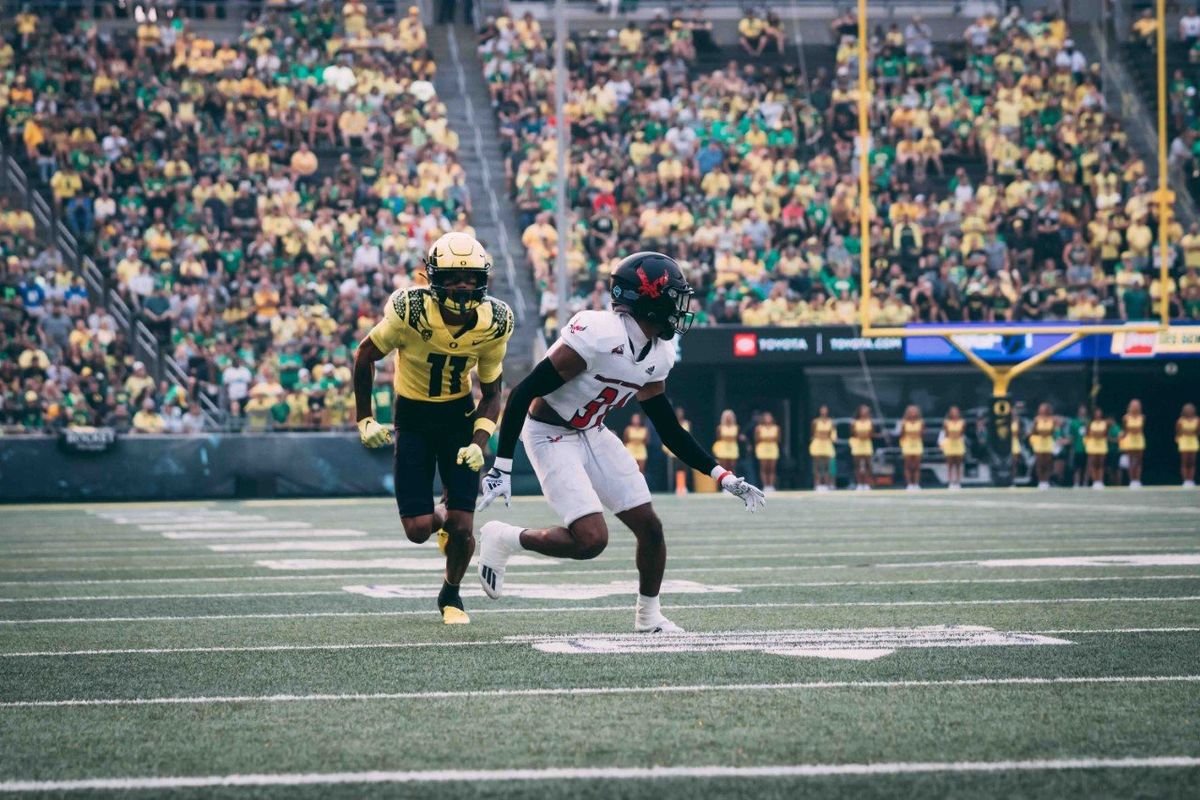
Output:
[[650, 288]]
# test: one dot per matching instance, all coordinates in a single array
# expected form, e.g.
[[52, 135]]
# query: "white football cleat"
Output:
[[655, 624], [494, 552], [1189, 484], [1097, 484]]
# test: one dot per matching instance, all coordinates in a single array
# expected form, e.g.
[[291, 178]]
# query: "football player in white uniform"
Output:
[[602, 360]]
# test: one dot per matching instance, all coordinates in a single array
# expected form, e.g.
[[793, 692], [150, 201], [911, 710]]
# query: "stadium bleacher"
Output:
[[254, 201], [994, 199]]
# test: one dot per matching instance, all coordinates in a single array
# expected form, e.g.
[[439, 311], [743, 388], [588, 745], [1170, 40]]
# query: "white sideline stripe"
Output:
[[405, 645], [315, 576], [262, 534], [270, 648], [294, 564], [781, 584], [600, 774], [675, 607], [1047, 506], [187, 596], [583, 691], [222, 525], [318, 545], [791, 553]]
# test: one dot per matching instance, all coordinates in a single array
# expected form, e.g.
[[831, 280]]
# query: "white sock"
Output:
[[648, 606], [511, 538]]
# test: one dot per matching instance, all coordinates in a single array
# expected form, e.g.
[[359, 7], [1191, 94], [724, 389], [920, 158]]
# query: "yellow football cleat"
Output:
[[455, 616], [442, 538]]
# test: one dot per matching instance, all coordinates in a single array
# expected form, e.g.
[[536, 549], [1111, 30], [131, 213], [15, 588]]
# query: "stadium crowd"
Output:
[[1001, 187], [254, 201]]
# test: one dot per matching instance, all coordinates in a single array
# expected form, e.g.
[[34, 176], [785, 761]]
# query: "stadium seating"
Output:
[[981, 178], [254, 201]]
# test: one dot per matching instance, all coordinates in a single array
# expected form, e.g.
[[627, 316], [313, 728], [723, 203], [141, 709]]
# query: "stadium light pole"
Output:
[[560, 125], [864, 184], [1164, 207]]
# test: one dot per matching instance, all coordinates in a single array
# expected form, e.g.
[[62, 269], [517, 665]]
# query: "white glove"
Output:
[[472, 456], [372, 433], [497, 482], [749, 494]]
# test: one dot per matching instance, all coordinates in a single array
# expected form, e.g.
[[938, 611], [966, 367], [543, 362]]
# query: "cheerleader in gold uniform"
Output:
[[1095, 444], [1133, 441], [766, 450], [1041, 441], [820, 449], [954, 446], [725, 448], [1187, 439], [635, 441], [912, 446], [862, 447]]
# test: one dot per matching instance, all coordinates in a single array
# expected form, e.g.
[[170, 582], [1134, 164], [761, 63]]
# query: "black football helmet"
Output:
[[651, 285]]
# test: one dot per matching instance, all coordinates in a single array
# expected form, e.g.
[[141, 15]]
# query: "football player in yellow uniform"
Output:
[[440, 332]]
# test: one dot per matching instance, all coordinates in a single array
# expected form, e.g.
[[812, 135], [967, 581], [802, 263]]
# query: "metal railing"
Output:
[[52, 230]]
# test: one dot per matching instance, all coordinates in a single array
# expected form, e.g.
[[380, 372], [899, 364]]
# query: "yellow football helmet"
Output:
[[453, 257]]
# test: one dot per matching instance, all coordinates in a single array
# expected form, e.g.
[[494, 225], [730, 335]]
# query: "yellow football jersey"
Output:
[[433, 362]]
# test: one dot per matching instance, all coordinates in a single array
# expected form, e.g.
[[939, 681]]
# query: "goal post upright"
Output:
[[1001, 376]]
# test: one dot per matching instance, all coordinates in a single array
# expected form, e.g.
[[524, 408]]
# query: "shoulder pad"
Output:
[[502, 318], [410, 306]]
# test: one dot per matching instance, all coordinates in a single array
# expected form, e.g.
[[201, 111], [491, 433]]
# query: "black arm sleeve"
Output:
[[678, 441], [542, 381]]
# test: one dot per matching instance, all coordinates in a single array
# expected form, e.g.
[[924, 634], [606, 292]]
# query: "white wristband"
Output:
[[503, 464], [717, 472]]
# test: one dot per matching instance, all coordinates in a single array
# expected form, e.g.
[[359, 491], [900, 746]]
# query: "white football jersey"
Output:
[[610, 343]]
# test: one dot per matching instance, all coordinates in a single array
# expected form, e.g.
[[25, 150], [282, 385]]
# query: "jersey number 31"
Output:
[[596, 410]]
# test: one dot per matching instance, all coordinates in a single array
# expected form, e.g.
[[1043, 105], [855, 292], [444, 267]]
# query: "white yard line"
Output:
[[185, 596], [735, 585], [600, 774], [622, 608], [297, 564], [350, 540], [272, 648], [583, 691], [357, 576]]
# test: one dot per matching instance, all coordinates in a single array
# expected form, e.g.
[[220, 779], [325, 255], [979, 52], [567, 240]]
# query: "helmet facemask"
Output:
[[458, 300]]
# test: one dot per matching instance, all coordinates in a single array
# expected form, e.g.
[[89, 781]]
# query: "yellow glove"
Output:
[[372, 433], [472, 456]]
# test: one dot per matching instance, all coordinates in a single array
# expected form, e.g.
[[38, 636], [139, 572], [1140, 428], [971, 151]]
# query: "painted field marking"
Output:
[[623, 608], [376, 564], [384, 563], [423, 587], [270, 648], [307, 575], [429, 564], [584, 691], [266, 533], [1048, 506], [866, 644], [225, 525], [318, 545], [185, 596], [600, 774], [1155, 560], [546, 591]]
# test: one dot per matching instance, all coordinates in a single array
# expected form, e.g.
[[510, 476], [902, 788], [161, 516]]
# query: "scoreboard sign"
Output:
[[825, 345]]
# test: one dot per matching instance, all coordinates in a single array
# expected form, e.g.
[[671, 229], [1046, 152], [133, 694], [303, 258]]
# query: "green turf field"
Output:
[[981, 643]]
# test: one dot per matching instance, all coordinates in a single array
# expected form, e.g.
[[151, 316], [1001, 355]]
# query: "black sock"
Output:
[[448, 596]]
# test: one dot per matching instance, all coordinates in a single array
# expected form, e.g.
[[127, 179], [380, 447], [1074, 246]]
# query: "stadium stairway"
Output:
[[469, 111]]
